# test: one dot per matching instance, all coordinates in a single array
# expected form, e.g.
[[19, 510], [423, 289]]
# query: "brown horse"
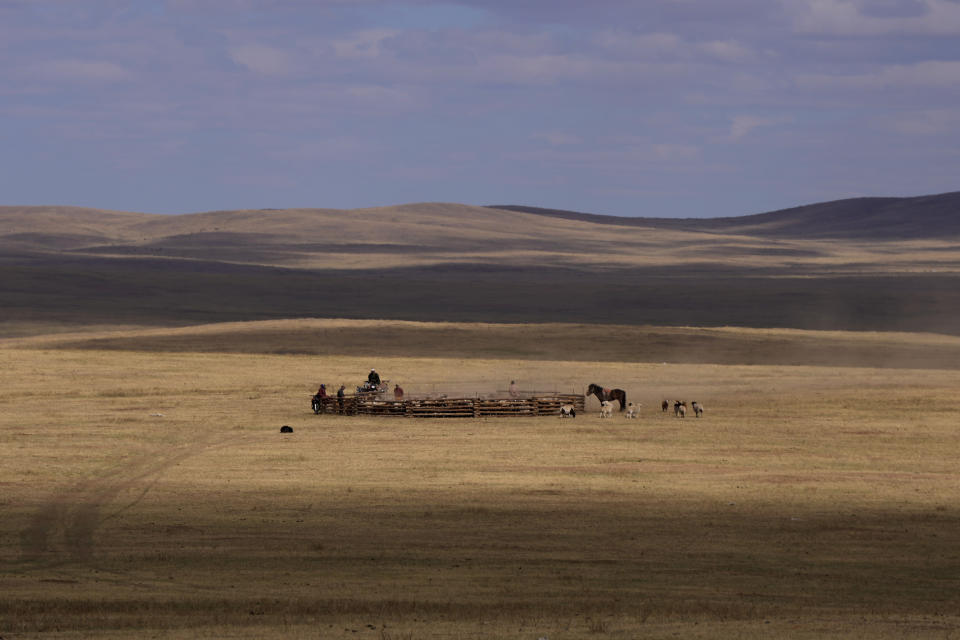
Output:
[[608, 394]]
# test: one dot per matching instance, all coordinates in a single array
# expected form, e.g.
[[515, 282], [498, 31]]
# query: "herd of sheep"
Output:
[[632, 410]]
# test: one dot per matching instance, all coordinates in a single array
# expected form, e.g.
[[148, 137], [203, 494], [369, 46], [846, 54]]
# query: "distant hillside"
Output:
[[897, 268], [287, 237], [934, 217]]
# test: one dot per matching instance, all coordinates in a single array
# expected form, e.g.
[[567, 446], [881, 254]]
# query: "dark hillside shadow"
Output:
[[158, 292]]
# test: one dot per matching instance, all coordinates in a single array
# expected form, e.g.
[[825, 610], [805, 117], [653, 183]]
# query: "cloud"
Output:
[[744, 124], [662, 44], [644, 44], [365, 44], [928, 73], [855, 18], [261, 59], [726, 50], [927, 122], [563, 93], [547, 68]]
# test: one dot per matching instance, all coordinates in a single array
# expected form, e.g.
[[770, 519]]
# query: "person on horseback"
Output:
[[373, 378]]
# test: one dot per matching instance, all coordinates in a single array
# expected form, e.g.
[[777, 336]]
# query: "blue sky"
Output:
[[654, 108]]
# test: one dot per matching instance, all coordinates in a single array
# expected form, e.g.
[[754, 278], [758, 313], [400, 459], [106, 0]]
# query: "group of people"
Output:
[[323, 400], [373, 382]]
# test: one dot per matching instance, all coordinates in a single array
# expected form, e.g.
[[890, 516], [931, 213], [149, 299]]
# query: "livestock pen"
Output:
[[444, 407]]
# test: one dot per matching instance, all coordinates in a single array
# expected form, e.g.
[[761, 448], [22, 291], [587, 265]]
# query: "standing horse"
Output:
[[608, 394]]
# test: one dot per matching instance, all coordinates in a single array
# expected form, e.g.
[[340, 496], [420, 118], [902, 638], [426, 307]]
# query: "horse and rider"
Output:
[[320, 401], [373, 383]]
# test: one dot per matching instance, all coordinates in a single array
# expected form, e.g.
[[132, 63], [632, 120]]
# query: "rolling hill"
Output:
[[851, 265], [933, 216]]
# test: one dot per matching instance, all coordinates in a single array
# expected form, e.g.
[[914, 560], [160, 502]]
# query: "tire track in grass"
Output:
[[64, 529]]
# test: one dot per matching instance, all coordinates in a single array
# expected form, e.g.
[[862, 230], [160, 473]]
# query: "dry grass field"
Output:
[[146, 489], [147, 363]]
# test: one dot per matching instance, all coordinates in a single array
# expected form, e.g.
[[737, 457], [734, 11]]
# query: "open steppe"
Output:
[[147, 363], [147, 490]]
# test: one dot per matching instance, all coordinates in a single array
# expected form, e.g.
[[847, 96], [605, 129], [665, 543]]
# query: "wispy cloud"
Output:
[[640, 44], [928, 73], [262, 59], [728, 50], [527, 100], [365, 44], [854, 17], [743, 125], [925, 122]]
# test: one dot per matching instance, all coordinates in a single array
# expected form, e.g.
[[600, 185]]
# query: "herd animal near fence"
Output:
[[546, 405]]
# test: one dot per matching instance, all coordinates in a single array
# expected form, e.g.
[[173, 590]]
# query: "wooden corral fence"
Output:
[[545, 405]]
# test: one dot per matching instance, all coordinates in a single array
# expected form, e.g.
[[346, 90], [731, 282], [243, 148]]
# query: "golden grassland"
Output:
[[150, 492], [544, 341]]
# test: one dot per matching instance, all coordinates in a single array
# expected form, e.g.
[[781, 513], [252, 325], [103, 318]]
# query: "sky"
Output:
[[676, 108]]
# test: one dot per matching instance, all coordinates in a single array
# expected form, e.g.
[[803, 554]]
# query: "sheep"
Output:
[[568, 411], [680, 409], [632, 409], [697, 408], [664, 405], [606, 409]]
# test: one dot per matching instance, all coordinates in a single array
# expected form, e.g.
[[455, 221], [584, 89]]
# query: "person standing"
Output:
[[340, 399], [397, 392], [322, 398]]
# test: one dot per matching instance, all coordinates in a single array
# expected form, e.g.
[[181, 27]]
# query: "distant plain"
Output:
[[149, 361]]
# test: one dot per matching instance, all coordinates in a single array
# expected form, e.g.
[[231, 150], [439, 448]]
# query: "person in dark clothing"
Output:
[[374, 378], [340, 399], [397, 392], [322, 398]]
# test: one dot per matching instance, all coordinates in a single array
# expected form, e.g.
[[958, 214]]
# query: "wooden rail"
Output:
[[545, 405]]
